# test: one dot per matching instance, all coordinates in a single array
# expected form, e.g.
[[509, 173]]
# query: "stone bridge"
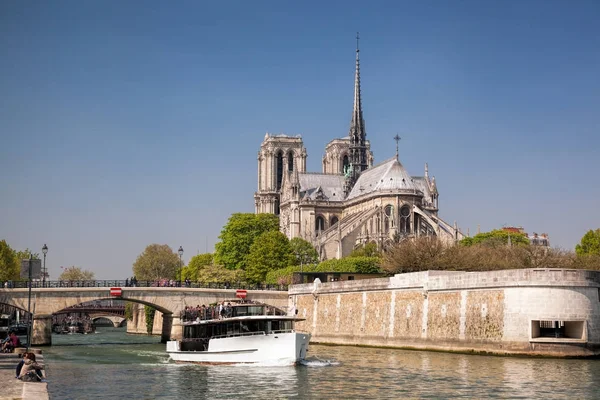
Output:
[[169, 301], [116, 320], [116, 315]]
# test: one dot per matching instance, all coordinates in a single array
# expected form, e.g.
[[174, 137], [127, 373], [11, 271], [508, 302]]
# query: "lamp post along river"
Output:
[[44, 250], [30, 322], [180, 252]]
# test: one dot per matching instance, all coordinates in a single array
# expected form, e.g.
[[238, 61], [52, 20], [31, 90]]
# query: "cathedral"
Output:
[[351, 202]]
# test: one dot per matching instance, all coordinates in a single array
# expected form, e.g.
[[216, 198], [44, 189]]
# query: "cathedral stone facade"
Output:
[[352, 202]]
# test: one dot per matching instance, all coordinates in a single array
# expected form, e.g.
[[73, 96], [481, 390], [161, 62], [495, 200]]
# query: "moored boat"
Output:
[[244, 333]]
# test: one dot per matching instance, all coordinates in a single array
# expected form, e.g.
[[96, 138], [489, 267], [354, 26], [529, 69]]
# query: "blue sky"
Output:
[[129, 123]]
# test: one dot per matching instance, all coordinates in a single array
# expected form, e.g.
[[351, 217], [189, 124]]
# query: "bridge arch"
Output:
[[117, 321]]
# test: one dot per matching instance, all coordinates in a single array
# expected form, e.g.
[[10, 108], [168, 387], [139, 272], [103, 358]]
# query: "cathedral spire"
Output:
[[358, 134]]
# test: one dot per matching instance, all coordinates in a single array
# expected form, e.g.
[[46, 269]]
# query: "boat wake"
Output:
[[317, 362]]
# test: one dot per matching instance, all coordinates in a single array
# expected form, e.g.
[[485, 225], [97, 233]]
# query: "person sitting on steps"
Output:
[[30, 371], [12, 343]]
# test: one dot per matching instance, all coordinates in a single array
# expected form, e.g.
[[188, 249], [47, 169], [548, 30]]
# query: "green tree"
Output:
[[25, 254], [76, 274], [220, 274], [150, 312], [362, 265], [158, 261], [368, 250], [270, 251], [238, 235], [590, 244], [196, 264], [495, 238], [129, 307], [9, 267], [304, 252]]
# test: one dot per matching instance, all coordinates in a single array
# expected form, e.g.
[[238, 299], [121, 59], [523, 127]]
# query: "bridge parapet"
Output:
[[125, 284]]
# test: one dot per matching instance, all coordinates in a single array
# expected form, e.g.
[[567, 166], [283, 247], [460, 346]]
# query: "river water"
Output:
[[113, 365]]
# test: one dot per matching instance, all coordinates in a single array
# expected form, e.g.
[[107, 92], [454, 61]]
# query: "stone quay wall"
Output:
[[502, 312]]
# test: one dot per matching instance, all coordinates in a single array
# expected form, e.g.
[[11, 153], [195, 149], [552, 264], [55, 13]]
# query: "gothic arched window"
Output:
[[405, 219], [334, 220], [319, 225], [277, 207], [279, 168], [290, 161], [345, 163], [388, 218]]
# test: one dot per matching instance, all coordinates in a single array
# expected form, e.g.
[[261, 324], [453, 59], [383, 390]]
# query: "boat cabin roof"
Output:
[[245, 318], [247, 311]]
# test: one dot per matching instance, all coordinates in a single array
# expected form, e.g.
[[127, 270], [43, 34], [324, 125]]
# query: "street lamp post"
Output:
[[180, 252], [44, 250], [29, 306]]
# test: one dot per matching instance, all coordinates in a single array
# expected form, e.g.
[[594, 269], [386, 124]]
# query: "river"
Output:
[[113, 365]]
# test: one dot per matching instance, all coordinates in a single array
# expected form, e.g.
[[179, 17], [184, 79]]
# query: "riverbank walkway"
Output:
[[11, 388]]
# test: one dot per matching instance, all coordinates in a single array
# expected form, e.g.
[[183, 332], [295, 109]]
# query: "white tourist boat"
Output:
[[246, 333]]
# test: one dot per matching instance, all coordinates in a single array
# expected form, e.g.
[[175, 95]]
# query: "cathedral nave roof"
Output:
[[316, 186]]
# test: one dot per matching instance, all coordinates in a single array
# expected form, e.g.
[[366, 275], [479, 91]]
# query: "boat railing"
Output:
[[283, 331], [257, 333]]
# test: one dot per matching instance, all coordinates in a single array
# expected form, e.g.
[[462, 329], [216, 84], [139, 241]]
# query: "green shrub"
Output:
[[149, 318]]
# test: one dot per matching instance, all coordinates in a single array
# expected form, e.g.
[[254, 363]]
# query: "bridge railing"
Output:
[[123, 284]]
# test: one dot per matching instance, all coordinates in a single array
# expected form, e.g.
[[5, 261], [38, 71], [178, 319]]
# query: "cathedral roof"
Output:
[[315, 186], [421, 184], [386, 176]]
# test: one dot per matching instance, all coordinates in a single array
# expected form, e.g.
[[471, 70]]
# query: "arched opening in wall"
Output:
[[388, 218], [319, 225], [345, 163], [290, 161], [279, 167], [102, 321], [277, 208], [80, 308], [334, 220], [405, 220]]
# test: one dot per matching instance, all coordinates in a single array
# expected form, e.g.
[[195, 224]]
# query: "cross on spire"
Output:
[[397, 139], [357, 38]]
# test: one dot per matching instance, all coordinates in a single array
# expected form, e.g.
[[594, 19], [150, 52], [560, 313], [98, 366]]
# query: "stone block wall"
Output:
[[457, 311]]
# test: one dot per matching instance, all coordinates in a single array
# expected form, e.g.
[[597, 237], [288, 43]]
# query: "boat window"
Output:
[[255, 310], [241, 311], [281, 325]]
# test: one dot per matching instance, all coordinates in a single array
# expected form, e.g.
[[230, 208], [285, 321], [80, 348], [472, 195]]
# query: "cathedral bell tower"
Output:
[[278, 154]]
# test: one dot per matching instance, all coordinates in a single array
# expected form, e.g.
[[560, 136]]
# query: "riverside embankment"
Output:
[[12, 388], [540, 312]]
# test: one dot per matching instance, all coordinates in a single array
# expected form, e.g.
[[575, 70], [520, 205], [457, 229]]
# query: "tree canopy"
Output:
[[76, 274], [590, 243], [496, 237], [196, 264], [9, 266], [363, 265], [25, 254], [238, 235], [158, 261], [270, 251], [220, 274], [368, 250], [360, 264], [304, 252]]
